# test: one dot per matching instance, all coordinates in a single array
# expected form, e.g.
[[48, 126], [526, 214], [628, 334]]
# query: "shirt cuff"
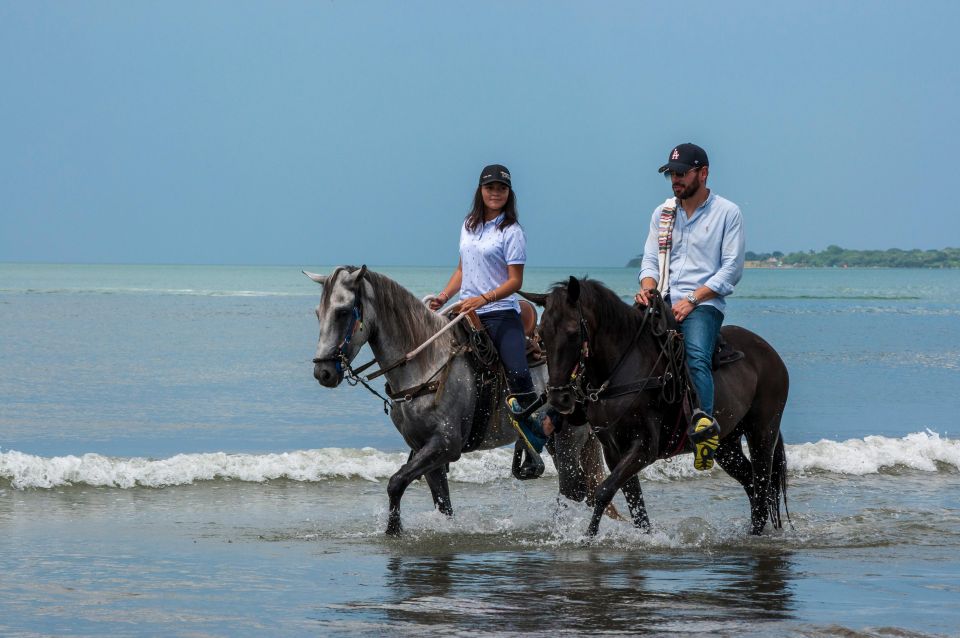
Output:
[[652, 274]]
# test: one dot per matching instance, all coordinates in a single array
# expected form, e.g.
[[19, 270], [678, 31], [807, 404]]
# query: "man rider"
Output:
[[701, 265]]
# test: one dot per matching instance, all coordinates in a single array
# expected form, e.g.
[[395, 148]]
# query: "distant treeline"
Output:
[[837, 257]]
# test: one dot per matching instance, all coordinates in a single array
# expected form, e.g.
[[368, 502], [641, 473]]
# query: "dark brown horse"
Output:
[[622, 368]]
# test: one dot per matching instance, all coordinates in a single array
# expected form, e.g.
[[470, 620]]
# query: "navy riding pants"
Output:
[[506, 331]]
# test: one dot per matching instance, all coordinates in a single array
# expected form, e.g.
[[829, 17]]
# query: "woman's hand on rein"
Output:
[[472, 304]]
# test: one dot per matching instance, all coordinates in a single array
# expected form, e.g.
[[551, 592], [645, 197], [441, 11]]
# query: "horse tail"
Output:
[[778, 484]]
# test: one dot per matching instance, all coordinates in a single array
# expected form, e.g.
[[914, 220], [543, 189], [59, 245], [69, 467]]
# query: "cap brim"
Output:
[[491, 180], [675, 166]]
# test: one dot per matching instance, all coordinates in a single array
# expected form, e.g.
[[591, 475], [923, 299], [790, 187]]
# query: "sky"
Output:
[[333, 132]]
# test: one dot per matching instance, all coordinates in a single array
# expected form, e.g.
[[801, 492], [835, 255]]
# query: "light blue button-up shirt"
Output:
[[707, 250], [484, 257]]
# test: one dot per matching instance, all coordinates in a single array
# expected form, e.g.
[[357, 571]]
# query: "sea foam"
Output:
[[921, 451]]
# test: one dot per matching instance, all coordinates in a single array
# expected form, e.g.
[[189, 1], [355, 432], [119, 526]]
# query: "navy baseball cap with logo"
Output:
[[684, 158], [495, 173]]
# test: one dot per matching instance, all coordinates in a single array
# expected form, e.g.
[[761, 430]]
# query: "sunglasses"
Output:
[[668, 174]]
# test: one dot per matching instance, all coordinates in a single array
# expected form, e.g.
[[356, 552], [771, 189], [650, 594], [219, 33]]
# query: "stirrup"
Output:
[[531, 467], [532, 405], [705, 434], [531, 426]]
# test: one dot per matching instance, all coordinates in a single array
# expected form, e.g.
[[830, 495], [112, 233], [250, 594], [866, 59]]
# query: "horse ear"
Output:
[[357, 277], [573, 290], [539, 299], [320, 279]]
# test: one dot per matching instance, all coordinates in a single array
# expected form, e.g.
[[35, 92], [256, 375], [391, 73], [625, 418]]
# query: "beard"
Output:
[[686, 192]]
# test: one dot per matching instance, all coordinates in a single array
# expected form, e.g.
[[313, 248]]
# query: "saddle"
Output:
[[724, 353], [534, 345], [528, 317], [489, 374]]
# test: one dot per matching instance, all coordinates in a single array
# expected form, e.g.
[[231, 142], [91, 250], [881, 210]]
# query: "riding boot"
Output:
[[704, 432], [531, 426]]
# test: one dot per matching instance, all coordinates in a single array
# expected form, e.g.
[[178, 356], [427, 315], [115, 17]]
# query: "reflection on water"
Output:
[[589, 590]]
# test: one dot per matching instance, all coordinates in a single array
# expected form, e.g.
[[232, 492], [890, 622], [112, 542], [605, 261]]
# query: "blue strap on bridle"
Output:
[[357, 317]]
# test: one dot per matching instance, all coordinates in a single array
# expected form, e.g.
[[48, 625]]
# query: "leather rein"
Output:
[[671, 351], [353, 375]]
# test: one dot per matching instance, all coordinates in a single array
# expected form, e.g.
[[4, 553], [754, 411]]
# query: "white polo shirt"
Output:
[[484, 257]]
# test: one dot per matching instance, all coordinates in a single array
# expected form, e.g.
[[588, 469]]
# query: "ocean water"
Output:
[[168, 465]]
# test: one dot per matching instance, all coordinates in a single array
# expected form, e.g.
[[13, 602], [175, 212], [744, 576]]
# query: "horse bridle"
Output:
[[580, 387], [353, 375], [339, 356], [577, 375]]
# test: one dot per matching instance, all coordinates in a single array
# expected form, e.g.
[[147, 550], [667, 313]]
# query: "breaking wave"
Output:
[[921, 451]]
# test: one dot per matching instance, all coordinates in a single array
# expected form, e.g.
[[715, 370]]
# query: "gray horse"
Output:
[[433, 395]]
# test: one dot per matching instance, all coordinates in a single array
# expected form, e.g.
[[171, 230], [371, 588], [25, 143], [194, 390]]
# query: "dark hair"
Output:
[[474, 218]]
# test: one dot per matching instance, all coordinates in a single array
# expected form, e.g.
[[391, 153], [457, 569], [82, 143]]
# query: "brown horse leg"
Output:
[[440, 490], [638, 510], [734, 462], [624, 468], [761, 444]]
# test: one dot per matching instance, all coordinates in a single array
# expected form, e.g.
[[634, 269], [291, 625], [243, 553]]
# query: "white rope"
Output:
[[413, 353]]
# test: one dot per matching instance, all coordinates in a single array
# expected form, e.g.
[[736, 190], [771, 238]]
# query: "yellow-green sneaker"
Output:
[[706, 438]]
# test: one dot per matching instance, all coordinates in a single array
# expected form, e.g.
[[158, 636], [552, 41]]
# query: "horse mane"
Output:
[[414, 321], [606, 306]]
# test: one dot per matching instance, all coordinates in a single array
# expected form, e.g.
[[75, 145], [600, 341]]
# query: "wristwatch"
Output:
[[692, 298]]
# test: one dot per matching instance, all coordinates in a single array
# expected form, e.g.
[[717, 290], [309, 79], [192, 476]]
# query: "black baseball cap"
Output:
[[685, 157], [495, 173]]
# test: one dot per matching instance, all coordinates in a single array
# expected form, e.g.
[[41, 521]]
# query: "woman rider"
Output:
[[493, 250]]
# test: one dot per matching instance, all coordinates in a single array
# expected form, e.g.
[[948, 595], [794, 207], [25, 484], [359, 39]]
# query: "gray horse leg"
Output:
[[565, 447], [430, 457], [440, 490]]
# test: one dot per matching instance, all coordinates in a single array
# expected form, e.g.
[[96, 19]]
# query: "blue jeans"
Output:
[[700, 330]]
